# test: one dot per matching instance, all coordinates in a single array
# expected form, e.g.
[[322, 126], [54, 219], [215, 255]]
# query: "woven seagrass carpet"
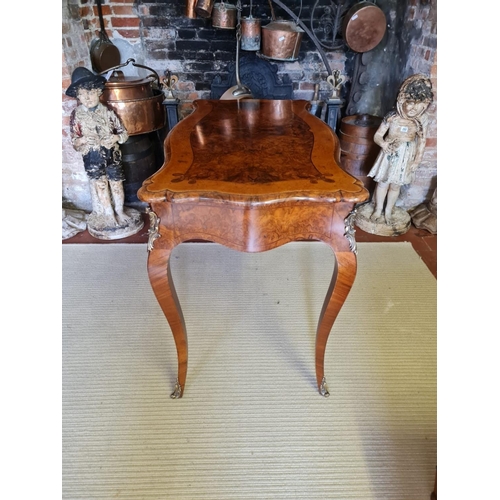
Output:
[[251, 424]]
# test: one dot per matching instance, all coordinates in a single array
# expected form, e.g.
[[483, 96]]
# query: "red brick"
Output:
[[125, 22], [122, 10], [86, 12], [306, 86], [185, 109], [185, 86], [106, 10], [431, 142]]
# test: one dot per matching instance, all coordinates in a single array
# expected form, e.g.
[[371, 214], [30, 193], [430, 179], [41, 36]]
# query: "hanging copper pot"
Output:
[[204, 8], [224, 16], [250, 33], [281, 40]]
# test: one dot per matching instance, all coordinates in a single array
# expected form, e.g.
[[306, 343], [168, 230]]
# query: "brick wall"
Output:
[[75, 191], [158, 35], [421, 17]]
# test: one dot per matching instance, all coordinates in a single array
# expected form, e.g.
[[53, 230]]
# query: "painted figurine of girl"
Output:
[[96, 132], [401, 136]]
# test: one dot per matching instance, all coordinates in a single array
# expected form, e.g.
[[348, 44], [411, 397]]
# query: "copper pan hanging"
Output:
[[281, 39], [364, 26]]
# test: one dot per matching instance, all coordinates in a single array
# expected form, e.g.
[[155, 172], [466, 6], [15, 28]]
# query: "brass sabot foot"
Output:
[[177, 391], [323, 389]]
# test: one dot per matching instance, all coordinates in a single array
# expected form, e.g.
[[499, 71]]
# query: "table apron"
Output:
[[254, 228]]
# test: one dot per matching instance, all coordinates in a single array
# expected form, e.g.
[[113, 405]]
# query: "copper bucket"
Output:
[[250, 33], [224, 16], [281, 40], [204, 8]]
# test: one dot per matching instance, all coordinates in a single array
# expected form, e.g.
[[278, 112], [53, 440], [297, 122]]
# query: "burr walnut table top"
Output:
[[251, 175], [253, 151]]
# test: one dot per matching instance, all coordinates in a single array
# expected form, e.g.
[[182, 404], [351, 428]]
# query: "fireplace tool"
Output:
[[237, 91]]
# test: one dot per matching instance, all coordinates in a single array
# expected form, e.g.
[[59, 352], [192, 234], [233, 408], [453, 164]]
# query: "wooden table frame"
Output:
[[251, 175]]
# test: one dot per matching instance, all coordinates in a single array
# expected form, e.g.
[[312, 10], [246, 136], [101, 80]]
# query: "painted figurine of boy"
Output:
[[96, 132]]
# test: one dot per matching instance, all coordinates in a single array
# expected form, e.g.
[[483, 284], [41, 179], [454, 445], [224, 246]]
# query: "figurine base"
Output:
[[99, 226], [400, 223]]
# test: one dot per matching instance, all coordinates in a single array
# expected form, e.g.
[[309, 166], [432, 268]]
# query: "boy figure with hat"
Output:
[[96, 131]]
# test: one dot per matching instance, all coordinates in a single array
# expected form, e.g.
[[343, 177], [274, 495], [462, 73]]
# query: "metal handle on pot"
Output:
[[156, 76], [273, 15]]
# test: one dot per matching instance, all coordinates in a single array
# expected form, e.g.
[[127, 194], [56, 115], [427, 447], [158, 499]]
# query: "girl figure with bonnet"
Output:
[[401, 136], [96, 132]]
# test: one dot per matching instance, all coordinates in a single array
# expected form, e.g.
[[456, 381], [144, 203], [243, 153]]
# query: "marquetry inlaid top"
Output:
[[252, 150]]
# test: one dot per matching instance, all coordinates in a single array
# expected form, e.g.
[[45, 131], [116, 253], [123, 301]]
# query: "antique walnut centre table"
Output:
[[251, 175]]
